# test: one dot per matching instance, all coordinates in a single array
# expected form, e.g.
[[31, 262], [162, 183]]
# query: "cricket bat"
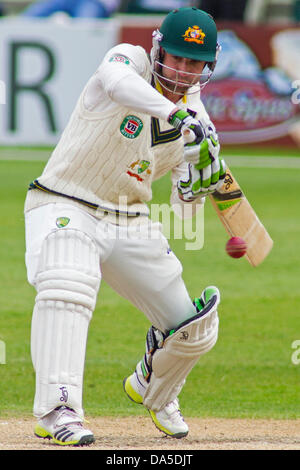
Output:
[[238, 216], [240, 219]]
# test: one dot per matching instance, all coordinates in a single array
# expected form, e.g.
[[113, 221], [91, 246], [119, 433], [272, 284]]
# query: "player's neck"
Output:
[[173, 97], [167, 92]]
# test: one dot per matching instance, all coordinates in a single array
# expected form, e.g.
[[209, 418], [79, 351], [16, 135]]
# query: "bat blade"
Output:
[[240, 220]]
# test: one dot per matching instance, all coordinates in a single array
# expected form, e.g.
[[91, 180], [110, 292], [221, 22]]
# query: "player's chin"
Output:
[[181, 90], [177, 87], [184, 88]]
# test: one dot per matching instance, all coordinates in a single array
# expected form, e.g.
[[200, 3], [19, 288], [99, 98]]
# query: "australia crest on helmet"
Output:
[[194, 34]]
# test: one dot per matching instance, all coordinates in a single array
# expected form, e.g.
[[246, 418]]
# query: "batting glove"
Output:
[[183, 121], [203, 154], [201, 182]]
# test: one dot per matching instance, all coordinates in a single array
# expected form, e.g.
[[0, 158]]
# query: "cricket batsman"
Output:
[[87, 219]]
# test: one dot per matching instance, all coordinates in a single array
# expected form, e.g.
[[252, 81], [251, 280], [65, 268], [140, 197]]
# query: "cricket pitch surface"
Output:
[[139, 433]]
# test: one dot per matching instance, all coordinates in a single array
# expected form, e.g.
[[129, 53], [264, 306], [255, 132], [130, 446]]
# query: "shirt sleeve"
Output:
[[124, 76]]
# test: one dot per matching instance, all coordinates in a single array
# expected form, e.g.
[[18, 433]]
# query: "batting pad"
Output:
[[181, 350], [67, 284]]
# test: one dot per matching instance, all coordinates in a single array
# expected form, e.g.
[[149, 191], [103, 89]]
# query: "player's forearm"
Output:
[[131, 90]]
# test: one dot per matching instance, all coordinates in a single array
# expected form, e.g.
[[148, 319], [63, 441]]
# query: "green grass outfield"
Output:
[[249, 373]]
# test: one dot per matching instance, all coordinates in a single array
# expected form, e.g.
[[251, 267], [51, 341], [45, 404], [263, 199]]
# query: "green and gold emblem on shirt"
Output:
[[62, 221]]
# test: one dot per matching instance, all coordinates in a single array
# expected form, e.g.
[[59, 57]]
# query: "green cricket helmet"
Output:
[[190, 33]]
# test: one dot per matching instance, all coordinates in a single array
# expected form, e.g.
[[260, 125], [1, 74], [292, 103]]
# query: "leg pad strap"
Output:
[[179, 353]]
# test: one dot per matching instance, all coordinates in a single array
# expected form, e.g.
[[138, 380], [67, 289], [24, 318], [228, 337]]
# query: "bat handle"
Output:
[[188, 136]]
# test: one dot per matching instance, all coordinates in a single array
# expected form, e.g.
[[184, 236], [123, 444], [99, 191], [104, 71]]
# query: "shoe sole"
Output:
[[41, 433], [131, 393]]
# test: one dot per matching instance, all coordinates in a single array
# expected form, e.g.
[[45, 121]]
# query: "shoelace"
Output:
[[172, 410], [67, 412]]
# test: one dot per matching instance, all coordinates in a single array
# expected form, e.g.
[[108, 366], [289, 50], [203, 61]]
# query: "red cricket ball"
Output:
[[236, 247]]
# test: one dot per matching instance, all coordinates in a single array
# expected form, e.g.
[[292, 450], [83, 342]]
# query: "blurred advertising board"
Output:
[[253, 97], [44, 65], [254, 94]]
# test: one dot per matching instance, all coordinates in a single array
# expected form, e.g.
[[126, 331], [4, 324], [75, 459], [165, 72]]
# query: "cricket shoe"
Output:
[[168, 420], [64, 427]]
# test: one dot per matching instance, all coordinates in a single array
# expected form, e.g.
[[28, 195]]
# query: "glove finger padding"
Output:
[[191, 153], [190, 187], [206, 177], [213, 147], [215, 171], [199, 182], [200, 156], [222, 175], [223, 168], [218, 175]]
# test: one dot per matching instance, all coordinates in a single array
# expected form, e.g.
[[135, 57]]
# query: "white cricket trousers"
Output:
[[135, 261], [68, 253]]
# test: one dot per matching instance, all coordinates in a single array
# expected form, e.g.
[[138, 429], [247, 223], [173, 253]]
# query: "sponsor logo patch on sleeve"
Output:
[[120, 58]]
